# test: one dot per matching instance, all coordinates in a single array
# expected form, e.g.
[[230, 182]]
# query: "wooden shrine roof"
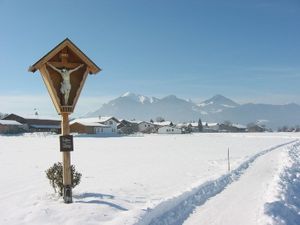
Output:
[[93, 68]]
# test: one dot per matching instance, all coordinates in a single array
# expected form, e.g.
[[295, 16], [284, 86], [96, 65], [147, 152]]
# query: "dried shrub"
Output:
[[55, 176]]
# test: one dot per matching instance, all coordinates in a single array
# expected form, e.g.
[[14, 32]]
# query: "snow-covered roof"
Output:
[[212, 124], [135, 121], [125, 120], [35, 117], [39, 117], [144, 122], [91, 124], [239, 126], [180, 125], [165, 123], [10, 122], [99, 119]]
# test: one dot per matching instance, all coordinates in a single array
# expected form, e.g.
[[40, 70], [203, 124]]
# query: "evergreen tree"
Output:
[[200, 127]]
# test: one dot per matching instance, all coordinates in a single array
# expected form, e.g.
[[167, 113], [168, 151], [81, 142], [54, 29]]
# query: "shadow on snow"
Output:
[[93, 198]]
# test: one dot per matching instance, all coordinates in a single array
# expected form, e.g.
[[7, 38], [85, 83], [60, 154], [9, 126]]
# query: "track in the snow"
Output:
[[176, 210]]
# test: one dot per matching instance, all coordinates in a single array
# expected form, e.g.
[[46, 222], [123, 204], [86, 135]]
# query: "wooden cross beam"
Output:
[[67, 65], [64, 63]]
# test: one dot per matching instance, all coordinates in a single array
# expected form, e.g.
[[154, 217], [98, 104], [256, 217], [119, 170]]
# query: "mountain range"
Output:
[[216, 109]]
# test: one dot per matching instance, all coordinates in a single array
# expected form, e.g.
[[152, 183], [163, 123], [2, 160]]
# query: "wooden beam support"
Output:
[[67, 176]]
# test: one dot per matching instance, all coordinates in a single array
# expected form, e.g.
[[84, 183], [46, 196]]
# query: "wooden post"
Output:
[[67, 179], [228, 157]]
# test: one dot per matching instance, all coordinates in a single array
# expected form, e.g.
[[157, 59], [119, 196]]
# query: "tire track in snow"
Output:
[[176, 210]]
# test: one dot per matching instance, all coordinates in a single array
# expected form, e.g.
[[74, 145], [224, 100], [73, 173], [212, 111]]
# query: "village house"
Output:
[[239, 127], [163, 123], [185, 127], [223, 127], [256, 128], [194, 127], [146, 127], [169, 130], [133, 126], [10, 127], [127, 127], [89, 128], [211, 127], [158, 125], [36, 124], [102, 125]]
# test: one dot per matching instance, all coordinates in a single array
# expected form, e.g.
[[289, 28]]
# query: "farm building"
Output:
[[89, 128], [36, 124], [96, 125], [10, 127]]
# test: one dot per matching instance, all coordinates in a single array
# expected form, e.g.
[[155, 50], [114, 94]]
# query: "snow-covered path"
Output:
[[243, 201], [235, 198]]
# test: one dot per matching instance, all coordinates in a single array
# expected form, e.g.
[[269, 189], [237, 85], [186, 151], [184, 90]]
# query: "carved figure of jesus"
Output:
[[66, 83]]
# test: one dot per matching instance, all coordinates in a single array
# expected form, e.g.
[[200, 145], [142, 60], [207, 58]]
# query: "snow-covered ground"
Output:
[[155, 179], [243, 201]]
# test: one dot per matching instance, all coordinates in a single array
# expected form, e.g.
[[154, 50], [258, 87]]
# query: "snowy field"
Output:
[[155, 179]]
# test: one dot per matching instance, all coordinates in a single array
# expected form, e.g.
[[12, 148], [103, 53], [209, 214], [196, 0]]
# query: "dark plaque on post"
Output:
[[66, 143]]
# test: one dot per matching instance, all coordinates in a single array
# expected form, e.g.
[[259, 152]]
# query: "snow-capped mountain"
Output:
[[139, 98], [135, 106], [217, 104], [216, 109]]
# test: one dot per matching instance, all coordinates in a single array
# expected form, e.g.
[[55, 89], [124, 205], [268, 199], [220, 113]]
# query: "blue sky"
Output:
[[246, 50]]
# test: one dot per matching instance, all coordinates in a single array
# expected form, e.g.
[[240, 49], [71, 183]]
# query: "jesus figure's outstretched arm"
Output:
[[77, 68], [53, 67]]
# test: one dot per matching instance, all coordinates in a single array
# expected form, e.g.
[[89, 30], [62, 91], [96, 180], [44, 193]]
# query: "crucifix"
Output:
[[57, 67], [66, 70]]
